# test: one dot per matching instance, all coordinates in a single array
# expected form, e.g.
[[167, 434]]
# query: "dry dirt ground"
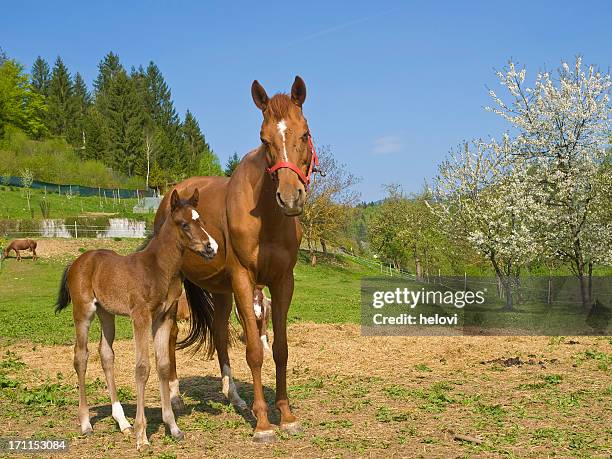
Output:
[[356, 397]]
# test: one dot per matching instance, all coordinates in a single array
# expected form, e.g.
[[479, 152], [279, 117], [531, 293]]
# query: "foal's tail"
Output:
[[63, 296], [202, 317]]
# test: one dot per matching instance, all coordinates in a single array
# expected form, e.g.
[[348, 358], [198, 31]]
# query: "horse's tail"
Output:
[[63, 296], [202, 317]]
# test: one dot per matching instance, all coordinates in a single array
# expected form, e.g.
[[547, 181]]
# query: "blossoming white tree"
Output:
[[480, 196], [563, 124]]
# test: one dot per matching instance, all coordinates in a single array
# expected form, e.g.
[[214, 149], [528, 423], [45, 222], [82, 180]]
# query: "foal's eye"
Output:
[[305, 136], [185, 226]]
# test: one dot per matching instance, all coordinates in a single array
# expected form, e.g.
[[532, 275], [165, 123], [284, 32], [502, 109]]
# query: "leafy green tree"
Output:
[[61, 107], [41, 76], [20, 105], [3, 56], [232, 164]]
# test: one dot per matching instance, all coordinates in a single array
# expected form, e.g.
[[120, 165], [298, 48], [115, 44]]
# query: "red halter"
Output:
[[314, 162]]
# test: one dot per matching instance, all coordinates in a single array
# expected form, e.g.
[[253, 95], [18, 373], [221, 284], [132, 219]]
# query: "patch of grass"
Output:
[[386, 414], [547, 381], [336, 424], [437, 398], [11, 362], [422, 367], [397, 392], [125, 394], [306, 390]]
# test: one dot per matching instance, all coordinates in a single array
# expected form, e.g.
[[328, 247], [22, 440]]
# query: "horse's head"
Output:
[[190, 227], [286, 139]]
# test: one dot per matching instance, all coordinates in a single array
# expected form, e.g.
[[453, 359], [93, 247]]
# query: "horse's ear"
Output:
[[174, 200], [195, 197], [298, 91], [259, 95]]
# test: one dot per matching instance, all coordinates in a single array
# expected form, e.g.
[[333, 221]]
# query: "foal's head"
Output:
[[286, 138], [190, 227]]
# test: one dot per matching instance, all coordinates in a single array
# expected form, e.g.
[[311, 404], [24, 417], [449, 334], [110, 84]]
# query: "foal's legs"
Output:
[[83, 312], [162, 330], [34, 256], [18, 255], [243, 292], [141, 324], [175, 395], [107, 356], [282, 292], [223, 310]]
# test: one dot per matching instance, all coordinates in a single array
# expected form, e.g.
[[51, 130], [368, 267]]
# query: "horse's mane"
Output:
[[279, 105]]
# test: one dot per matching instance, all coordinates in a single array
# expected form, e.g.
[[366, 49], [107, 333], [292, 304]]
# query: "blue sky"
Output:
[[392, 86]]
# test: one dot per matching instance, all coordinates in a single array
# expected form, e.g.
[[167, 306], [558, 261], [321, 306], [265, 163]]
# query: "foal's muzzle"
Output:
[[208, 252]]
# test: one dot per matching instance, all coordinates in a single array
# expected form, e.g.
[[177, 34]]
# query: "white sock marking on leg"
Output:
[[119, 416]]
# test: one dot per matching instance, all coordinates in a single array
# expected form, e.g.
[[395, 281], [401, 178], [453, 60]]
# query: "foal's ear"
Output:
[[174, 200], [298, 91], [195, 197], [259, 95]]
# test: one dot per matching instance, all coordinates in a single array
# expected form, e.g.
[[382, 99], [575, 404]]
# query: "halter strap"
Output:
[[314, 162]]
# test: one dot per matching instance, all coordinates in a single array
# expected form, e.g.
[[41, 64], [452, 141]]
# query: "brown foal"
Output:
[[253, 216], [20, 244], [145, 286]]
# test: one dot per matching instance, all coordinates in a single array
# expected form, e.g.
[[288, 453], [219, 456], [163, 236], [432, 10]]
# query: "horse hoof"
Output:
[[177, 403], [87, 432], [128, 431], [292, 428], [143, 447], [178, 436], [264, 436]]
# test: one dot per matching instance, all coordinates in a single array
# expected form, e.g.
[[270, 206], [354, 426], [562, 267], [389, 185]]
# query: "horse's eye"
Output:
[[185, 226], [305, 137]]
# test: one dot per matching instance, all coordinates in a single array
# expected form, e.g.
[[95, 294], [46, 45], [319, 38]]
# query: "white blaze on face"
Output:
[[282, 127]]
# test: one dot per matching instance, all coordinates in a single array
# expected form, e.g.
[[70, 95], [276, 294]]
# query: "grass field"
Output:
[[356, 396], [14, 205]]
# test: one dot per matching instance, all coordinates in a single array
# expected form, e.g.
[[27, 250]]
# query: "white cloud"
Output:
[[387, 145]]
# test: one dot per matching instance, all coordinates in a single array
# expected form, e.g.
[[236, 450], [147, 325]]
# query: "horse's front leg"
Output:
[[282, 293], [18, 255], [175, 394], [243, 292]]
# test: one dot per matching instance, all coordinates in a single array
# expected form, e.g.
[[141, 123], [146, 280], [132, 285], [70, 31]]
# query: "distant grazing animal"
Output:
[[146, 286], [254, 216], [20, 244]]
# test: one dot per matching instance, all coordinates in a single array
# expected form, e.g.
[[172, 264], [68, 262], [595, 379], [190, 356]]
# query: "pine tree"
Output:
[[60, 101], [231, 164], [108, 68], [121, 107], [157, 99], [41, 76], [81, 101]]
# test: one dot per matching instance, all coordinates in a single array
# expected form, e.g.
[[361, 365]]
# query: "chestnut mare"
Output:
[[253, 216], [145, 286], [20, 244]]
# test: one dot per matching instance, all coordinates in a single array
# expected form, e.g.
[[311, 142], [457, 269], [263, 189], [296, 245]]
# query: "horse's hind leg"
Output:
[[223, 310], [175, 395], [34, 256], [162, 330], [83, 314], [107, 357], [18, 255]]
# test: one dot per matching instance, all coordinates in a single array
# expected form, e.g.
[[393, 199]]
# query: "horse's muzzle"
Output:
[[291, 207]]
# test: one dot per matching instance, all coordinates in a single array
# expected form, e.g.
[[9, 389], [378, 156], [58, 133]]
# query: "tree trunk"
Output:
[[590, 292], [418, 268], [324, 246]]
